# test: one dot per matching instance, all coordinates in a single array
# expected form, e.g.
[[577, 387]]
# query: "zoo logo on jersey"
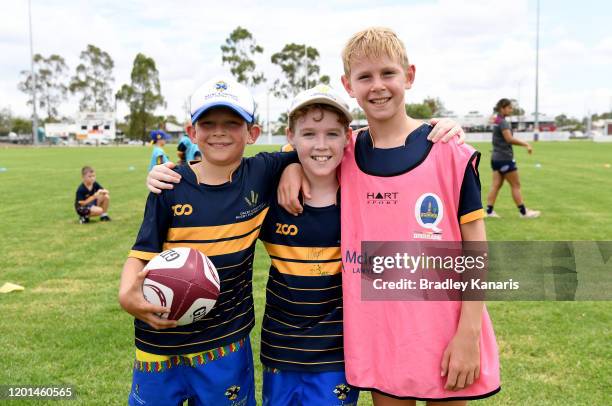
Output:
[[182, 209], [429, 212]]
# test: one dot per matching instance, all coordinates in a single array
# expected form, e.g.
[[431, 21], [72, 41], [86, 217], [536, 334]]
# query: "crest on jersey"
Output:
[[429, 211], [341, 391], [232, 392]]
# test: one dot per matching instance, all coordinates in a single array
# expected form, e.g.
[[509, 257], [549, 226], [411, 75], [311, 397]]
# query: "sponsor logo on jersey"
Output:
[[252, 198], [429, 212], [182, 209], [383, 198], [286, 229]]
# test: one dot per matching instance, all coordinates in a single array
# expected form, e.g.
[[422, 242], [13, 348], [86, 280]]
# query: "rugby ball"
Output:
[[183, 280]]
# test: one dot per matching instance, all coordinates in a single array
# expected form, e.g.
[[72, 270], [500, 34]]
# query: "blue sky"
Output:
[[468, 53]]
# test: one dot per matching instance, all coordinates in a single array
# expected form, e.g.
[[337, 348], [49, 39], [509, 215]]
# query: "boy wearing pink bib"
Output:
[[412, 350], [396, 185]]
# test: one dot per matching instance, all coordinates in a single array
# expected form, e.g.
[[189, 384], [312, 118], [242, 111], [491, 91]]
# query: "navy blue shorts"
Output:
[[504, 167], [221, 377], [288, 388], [84, 210]]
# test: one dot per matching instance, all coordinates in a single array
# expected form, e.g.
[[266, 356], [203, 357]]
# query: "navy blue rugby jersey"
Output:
[[223, 222], [302, 324], [83, 193], [399, 160]]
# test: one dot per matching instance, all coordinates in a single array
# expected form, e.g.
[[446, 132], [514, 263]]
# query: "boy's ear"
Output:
[[190, 129], [290, 135], [410, 74], [346, 82], [254, 133], [349, 134]]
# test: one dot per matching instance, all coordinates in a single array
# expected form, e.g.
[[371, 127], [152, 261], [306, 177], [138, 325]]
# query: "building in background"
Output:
[[95, 126]]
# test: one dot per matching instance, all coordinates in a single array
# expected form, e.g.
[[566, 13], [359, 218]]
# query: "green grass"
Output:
[[67, 328]]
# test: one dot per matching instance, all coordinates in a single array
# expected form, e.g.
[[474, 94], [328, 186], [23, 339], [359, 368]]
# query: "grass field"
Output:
[[67, 328]]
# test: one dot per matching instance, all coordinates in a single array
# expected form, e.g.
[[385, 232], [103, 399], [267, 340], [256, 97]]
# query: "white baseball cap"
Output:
[[322, 94], [223, 92]]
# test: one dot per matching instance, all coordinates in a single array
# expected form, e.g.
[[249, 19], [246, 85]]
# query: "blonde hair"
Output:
[[374, 42]]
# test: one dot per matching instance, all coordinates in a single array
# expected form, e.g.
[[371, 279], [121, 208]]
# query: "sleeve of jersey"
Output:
[[275, 162], [182, 147], [470, 203], [153, 229], [80, 194]]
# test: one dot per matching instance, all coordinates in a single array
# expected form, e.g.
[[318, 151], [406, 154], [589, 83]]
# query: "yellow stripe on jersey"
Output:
[[303, 253], [304, 289], [217, 248], [302, 349], [301, 336], [145, 256], [304, 303], [249, 324], [302, 363], [308, 269], [217, 232], [301, 315], [475, 215], [287, 148]]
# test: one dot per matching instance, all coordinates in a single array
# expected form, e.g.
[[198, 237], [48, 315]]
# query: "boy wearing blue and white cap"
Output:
[[210, 361]]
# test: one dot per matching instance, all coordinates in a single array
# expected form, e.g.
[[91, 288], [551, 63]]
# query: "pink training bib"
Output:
[[396, 347]]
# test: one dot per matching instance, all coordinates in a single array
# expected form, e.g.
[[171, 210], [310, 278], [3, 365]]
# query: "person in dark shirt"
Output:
[[503, 163], [91, 198]]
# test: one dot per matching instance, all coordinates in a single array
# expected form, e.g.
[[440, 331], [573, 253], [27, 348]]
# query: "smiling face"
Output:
[[319, 138], [222, 135], [379, 85]]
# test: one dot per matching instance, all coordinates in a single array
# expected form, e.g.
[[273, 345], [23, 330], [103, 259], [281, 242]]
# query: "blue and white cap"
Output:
[[157, 135], [223, 92]]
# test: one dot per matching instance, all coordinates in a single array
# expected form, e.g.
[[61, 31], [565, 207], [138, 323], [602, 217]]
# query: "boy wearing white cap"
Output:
[[302, 329], [210, 361]]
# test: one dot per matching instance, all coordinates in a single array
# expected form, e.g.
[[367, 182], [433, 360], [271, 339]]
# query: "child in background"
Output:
[[91, 198], [181, 149], [193, 152], [158, 138], [503, 163]]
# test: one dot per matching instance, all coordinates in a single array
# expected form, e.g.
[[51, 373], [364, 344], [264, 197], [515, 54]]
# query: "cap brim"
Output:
[[323, 100], [241, 112]]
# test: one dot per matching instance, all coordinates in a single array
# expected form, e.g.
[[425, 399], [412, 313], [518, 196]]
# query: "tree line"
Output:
[[93, 79]]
